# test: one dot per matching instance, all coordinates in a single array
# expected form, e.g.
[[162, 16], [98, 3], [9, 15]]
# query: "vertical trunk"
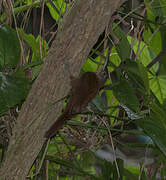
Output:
[[78, 33]]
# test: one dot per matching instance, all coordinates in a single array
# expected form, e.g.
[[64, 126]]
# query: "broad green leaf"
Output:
[[156, 13], [13, 89], [35, 45], [164, 105], [159, 114], [144, 75], [111, 102], [155, 126], [163, 57], [155, 42], [31, 41], [146, 54], [125, 94], [10, 50], [131, 66], [137, 74], [123, 47], [90, 66], [156, 83], [145, 59], [158, 86], [155, 130]]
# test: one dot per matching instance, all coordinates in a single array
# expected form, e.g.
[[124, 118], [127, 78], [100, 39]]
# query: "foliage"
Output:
[[13, 85], [134, 94]]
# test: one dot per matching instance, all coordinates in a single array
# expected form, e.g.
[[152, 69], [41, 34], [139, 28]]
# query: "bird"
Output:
[[83, 90]]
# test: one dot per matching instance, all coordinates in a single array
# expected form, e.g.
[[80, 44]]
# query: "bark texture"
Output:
[[79, 31]]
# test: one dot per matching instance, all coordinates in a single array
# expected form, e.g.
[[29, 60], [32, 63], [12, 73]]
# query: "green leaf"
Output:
[[86, 160], [155, 126], [125, 94], [131, 66], [144, 75], [158, 86], [146, 56], [60, 5], [107, 169], [137, 74], [123, 47], [155, 130], [120, 164], [164, 105], [10, 50], [156, 13], [31, 41], [159, 114], [155, 43], [13, 89], [133, 173], [35, 45], [90, 66]]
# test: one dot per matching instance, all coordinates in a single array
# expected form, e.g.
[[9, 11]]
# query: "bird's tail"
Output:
[[57, 125]]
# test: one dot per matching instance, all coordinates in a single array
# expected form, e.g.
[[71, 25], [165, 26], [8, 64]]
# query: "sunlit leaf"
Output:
[[31, 41], [158, 86], [90, 66], [60, 7]]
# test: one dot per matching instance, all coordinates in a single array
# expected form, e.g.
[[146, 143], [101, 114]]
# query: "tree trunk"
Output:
[[78, 33]]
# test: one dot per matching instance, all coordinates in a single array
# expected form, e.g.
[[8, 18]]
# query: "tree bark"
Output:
[[78, 33]]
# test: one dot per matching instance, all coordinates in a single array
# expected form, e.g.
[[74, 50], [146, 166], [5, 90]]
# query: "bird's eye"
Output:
[[104, 74]]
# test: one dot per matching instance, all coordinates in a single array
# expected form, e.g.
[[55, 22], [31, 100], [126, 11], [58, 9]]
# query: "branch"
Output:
[[156, 59]]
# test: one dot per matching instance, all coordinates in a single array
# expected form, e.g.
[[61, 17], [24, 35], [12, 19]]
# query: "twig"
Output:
[[156, 59]]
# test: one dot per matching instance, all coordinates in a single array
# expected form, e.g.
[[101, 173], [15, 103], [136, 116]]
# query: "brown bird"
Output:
[[83, 90]]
